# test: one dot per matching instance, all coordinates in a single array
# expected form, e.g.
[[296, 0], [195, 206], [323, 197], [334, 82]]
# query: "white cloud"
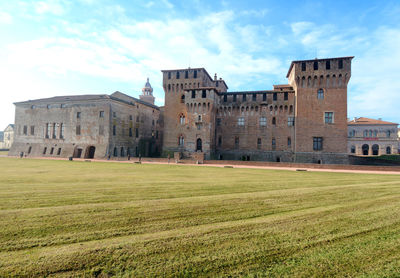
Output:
[[5, 18], [50, 6]]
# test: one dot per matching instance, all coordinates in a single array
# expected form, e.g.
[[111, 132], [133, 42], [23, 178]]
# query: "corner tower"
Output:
[[320, 109]]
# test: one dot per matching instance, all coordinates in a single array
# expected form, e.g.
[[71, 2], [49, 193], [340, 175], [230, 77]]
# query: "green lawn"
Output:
[[62, 218]]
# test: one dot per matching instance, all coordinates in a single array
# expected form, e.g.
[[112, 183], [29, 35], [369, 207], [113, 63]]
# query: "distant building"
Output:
[[8, 137], [87, 126], [372, 137]]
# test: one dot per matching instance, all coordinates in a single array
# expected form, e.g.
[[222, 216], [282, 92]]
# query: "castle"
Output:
[[303, 121]]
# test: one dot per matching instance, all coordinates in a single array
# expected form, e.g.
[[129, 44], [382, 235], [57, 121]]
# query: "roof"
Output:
[[128, 99], [313, 60], [219, 80], [368, 121], [258, 92], [65, 98]]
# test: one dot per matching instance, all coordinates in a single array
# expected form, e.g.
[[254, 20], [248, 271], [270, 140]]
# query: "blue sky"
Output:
[[54, 47]]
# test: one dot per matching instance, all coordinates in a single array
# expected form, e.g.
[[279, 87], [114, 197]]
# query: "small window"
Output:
[[130, 117], [78, 130], [240, 121], [320, 94], [32, 130], [177, 75], [114, 130], [273, 143], [115, 152], [388, 133], [289, 141], [51, 150], [61, 131], [204, 94], [328, 65], [218, 121], [258, 143], [59, 151], [315, 65], [236, 142], [317, 143], [101, 114], [182, 98], [25, 130], [285, 96], [195, 74], [244, 97], [62, 105], [290, 121], [219, 141], [263, 121], [186, 74], [181, 141], [353, 149], [303, 66], [225, 98], [264, 97], [254, 97], [274, 121], [193, 94], [114, 114], [340, 64], [137, 133], [234, 98], [44, 150], [130, 132], [78, 115], [388, 150], [169, 77], [329, 118], [275, 97], [182, 119]]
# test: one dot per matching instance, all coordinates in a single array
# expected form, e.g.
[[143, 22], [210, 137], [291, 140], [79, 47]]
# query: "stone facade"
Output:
[[7, 137], [372, 137], [87, 126], [304, 121]]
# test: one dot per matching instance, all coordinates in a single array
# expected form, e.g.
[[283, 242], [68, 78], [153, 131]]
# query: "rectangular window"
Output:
[[258, 143], [186, 74], [195, 74], [264, 97], [78, 115], [101, 130], [101, 114], [290, 121], [55, 130], [59, 151], [340, 64], [315, 65], [114, 130], [285, 96], [241, 121], [329, 117], [61, 131], [25, 130], [169, 75], [328, 65], [263, 121], [275, 97], [289, 141], [219, 141], [303, 66], [156, 134], [44, 150], [273, 143], [218, 121], [236, 142], [177, 75], [130, 132], [244, 97], [51, 150], [225, 98], [234, 98], [193, 94], [114, 114], [47, 130], [137, 132], [32, 130], [204, 94], [78, 130], [320, 94], [130, 117], [317, 143], [254, 97]]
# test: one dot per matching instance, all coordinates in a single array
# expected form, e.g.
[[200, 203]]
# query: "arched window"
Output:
[[375, 149], [353, 149], [375, 133], [122, 152], [199, 145], [115, 151], [370, 133], [365, 149], [181, 141], [182, 119], [183, 99], [320, 94], [388, 150]]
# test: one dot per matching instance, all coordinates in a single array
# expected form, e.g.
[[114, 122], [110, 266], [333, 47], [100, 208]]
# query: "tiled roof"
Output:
[[65, 98], [368, 121]]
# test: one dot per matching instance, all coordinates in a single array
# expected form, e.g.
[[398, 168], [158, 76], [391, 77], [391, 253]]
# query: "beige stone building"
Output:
[[372, 137], [7, 138], [88, 126]]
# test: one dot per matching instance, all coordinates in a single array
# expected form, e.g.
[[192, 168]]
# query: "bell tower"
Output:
[[147, 93]]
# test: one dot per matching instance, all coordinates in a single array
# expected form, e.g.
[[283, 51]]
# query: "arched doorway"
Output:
[[388, 150], [365, 149], [199, 145], [375, 149], [90, 152]]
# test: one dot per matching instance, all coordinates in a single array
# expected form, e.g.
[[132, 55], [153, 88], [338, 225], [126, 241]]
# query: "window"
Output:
[[114, 114], [101, 114], [340, 66], [285, 96], [273, 143], [315, 65], [51, 150], [59, 151], [186, 74], [258, 143], [122, 152], [169, 87], [115, 151], [114, 130], [78, 115], [388, 133], [274, 121], [365, 133], [303, 66], [290, 121], [264, 97], [182, 98], [61, 131], [275, 97], [241, 121], [169, 75], [234, 98], [101, 130], [62, 105], [204, 94], [130, 117], [219, 141], [388, 150], [55, 129], [225, 98], [289, 141], [177, 75], [78, 130], [254, 97], [352, 133], [195, 74], [329, 118], [25, 130], [263, 121], [193, 94], [182, 119], [130, 132], [353, 149], [218, 121], [30, 149], [137, 133], [317, 143], [320, 94], [244, 97], [181, 141], [44, 150], [236, 142], [32, 130], [328, 65]]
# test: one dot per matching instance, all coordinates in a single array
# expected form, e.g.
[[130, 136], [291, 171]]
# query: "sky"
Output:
[[68, 47]]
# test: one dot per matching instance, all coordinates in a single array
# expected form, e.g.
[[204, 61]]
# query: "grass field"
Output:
[[62, 218], [3, 152]]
